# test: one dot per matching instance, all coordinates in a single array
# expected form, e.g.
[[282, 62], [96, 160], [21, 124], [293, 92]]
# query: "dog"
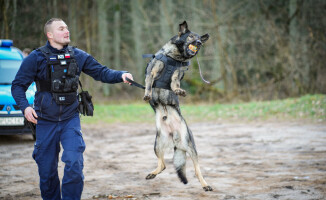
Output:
[[162, 88]]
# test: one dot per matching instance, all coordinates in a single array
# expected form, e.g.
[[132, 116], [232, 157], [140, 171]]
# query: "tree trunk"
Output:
[[5, 19], [86, 28], [219, 55], [72, 20], [14, 14], [165, 21], [103, 33], [137, 24], [116, 36]]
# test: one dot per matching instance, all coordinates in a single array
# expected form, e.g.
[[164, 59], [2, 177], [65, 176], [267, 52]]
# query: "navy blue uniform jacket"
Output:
[[34, 68]]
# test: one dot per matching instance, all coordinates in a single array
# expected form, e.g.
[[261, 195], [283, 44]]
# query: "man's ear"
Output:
[[49, 35], [183, 28], [204, 38]]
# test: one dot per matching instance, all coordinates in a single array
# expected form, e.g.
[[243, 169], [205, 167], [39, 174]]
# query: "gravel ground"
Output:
[[255, 160]]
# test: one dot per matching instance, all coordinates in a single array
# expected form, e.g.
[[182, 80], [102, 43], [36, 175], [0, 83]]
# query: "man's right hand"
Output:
[[31, 115]]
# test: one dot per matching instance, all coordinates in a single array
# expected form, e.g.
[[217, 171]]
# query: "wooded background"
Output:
[[258, 49]]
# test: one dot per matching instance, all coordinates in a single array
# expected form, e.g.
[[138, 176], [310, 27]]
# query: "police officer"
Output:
[[56, 68]]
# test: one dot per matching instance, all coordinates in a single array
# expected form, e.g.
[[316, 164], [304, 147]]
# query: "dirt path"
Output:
[[265, 160]]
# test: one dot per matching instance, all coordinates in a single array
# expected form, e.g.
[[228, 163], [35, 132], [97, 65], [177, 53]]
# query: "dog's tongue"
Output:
[[193, 48]]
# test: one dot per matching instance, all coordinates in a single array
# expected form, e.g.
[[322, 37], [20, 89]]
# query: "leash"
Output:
[[135, 83], [201, 75]]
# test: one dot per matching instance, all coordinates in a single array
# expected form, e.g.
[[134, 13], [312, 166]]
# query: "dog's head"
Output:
[[188, 43]]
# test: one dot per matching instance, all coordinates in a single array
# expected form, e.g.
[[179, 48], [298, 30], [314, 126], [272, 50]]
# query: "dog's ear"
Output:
[[204, 38], [183, 28]]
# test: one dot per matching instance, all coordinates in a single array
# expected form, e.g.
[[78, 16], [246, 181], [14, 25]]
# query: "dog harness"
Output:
[[170, 66], [62, 79]]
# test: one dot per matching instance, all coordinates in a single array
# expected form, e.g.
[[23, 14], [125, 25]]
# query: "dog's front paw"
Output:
[[147, 97], [180, 92], [150, 176], [208, 188]]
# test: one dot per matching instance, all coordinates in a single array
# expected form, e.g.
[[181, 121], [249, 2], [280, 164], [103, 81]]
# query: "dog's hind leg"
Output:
[[159, 151], [191, 150], [161, 142]]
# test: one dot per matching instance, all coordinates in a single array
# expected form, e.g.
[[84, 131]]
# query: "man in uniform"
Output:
[[56, 68]]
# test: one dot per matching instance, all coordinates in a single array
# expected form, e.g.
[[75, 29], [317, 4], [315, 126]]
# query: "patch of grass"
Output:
[[309, 107], [121, 113]]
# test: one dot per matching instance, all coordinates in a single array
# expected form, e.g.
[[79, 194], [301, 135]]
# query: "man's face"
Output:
[[59, 33]]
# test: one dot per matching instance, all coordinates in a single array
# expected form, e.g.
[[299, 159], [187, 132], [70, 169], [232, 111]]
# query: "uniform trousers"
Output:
[[49, 135]]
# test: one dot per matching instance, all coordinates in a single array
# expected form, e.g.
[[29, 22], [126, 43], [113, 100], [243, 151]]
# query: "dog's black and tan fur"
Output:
[[172, 129]]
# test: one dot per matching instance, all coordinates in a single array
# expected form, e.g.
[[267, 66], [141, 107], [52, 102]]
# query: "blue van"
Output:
[[12, 120]]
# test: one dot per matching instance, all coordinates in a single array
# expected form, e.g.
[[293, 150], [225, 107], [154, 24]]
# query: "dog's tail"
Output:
[[179, 161]]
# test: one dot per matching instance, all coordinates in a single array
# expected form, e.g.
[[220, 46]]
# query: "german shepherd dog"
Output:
[[172, 129]]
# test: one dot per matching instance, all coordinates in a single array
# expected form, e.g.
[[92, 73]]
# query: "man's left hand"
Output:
[[127, 75]]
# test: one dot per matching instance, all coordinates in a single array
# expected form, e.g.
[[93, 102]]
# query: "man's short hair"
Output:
[[48, 24]]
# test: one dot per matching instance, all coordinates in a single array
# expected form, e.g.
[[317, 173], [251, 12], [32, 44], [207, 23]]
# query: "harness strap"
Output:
[[165, 59], [81, 87], [170, 61], [148, 55], [45, 50]]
